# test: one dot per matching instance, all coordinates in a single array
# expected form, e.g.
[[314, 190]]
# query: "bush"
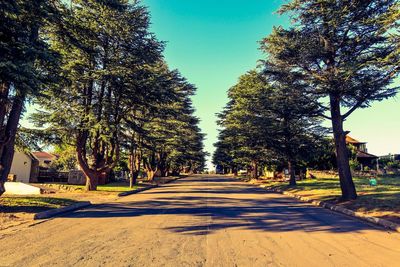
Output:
[[394, 164]]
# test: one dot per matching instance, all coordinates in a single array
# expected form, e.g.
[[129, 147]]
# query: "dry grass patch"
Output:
[[16, 210]]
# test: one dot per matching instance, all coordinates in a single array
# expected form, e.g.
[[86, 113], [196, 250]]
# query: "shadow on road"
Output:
[[223, 203]]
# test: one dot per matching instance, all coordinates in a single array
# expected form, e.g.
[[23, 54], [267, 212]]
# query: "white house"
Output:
[[25, 167]]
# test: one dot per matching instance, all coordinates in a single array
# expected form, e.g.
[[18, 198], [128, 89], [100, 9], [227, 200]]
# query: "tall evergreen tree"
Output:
[[244, 124], [173, 135], [26, 66], [294, 114], [345, 51], [105, 45]]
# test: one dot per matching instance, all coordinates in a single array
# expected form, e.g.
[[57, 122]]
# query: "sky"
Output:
[[213, 42]]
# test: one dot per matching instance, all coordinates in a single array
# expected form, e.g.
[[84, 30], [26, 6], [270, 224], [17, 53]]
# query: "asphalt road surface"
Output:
[[202, 221]]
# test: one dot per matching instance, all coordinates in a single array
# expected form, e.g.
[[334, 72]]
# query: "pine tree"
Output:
[[344, 50], [105, 47], [245, 125], [294, 114], [27, 64]]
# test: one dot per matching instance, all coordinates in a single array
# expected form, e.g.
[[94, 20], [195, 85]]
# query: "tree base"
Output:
[[2, 188]]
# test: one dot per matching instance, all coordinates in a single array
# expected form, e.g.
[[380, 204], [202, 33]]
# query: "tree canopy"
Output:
[[336, 57], [110, 94]]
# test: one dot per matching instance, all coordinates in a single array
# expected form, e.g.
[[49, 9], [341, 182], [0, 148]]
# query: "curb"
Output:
[[174, 179], [377, 221], [51, 213], [127, 193]]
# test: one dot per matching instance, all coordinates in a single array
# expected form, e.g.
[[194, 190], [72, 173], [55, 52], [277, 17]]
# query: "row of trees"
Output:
[[336, 57], [102, 87]]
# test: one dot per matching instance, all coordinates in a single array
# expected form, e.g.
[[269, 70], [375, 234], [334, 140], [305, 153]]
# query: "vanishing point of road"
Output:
[[202, 221]]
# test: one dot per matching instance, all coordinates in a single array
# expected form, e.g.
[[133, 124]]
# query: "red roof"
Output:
[[351, 140], [42, 155], [361, 154]]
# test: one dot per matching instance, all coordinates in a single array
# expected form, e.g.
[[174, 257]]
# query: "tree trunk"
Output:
[[133, 178], [150, 175], [235, 171], [342, 156], [7, 148], [292, 173], [134, 167], [254, 170], [92, 176], [4, 91], [92, 180], [163, 171]]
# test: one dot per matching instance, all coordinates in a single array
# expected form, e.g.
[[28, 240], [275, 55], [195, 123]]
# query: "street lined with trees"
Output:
[[91, 79]]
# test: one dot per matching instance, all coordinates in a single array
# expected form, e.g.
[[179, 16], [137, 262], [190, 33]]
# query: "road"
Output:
[[202, 221]]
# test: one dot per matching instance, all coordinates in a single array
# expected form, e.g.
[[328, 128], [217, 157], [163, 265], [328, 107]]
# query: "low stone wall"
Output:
[[269, 174], [321, 174], [18, 188]]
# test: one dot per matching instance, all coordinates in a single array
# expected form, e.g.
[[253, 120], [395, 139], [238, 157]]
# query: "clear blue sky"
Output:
[[213, 42]]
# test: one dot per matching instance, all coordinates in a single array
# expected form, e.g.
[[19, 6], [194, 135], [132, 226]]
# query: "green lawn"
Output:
[[114, 187], [11, 204], [382, 200]]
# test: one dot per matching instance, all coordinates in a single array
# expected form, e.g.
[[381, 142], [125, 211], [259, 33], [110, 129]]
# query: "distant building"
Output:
[[45, 159], [363, 157], [25, 167], [390, 157]]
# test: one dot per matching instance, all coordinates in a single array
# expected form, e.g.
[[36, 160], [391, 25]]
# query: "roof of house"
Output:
[[28, 154], [361, 154], [351, 140], [43, 155]]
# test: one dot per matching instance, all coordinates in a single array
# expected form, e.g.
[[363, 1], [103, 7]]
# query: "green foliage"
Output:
[[26, 60], [27, 65], [354, 164], [66, 158], [323, 156], [269, 121], [116, 97], [346, 51], [394, 164]]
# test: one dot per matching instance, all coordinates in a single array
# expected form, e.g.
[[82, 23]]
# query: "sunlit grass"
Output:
[[383, 197], [114, 187], [32, 204]]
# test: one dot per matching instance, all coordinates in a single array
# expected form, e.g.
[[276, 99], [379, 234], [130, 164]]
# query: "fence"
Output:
[[46, 176]]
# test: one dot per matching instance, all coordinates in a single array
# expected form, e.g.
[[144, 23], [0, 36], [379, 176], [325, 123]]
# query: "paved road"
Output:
[[202, 221]]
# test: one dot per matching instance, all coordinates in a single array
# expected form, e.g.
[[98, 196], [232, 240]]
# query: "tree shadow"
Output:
[[217, 213]]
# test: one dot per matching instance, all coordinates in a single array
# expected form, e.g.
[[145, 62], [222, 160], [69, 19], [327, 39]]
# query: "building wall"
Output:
[[21, 166], [44, 162]]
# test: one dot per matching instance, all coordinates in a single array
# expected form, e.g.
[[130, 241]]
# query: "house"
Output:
[[390, 157], [25, 167], [45, 159], [363, 157]]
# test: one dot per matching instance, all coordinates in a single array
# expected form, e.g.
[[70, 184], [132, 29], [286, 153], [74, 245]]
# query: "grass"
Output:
[[114, 187], [26, 204], [382, 200]]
